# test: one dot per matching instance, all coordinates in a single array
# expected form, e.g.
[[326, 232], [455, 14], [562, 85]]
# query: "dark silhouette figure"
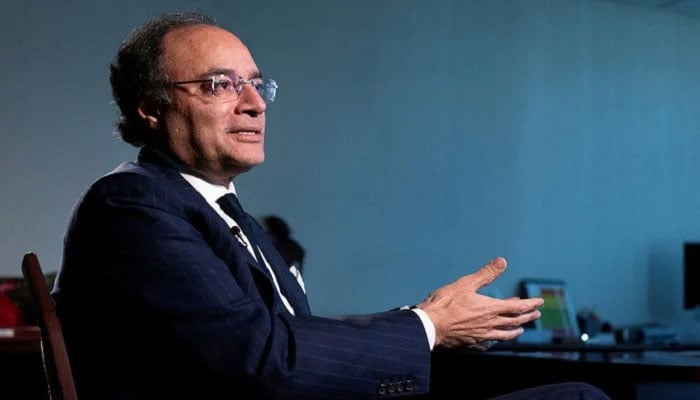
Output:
[[291, 250]]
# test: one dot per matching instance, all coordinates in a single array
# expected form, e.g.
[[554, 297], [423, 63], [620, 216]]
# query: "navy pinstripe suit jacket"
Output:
[[159, 301]]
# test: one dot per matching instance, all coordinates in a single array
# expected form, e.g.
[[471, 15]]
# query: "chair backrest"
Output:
[[57, 368]]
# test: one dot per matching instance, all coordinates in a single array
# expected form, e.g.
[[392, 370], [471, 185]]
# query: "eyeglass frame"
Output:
[[269, 85]]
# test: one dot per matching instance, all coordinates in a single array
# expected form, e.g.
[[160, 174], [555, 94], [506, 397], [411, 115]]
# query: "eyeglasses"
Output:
[[228, 87]]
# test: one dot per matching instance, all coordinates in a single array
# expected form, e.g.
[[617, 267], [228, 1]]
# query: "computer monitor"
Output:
[[691, 275], [558, 313]]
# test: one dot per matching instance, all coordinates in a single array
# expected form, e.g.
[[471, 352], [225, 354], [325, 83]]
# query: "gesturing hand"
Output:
[[463, 317]]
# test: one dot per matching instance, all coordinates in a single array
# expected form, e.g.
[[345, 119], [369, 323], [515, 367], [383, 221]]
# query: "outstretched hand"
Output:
[[463, 317]]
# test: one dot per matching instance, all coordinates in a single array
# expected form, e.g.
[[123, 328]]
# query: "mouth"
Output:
[[247, 134], [246, 131]]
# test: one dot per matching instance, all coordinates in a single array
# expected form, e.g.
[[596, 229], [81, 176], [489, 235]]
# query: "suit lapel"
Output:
[[224, 243], [288, 282]]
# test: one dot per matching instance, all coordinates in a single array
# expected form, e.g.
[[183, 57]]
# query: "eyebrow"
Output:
[[227, 71]]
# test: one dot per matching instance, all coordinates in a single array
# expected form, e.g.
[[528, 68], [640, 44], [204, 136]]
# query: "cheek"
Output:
[[200, 126], [178, 120], [211, 119], [203, 126]]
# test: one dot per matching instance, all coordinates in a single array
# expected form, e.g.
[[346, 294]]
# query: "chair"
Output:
[[59, 375]]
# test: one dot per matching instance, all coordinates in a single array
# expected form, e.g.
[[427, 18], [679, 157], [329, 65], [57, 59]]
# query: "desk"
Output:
[[636, 374], [20, 339], [21, 368]]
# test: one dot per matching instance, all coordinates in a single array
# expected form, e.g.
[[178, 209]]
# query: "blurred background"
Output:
[[411, 141]]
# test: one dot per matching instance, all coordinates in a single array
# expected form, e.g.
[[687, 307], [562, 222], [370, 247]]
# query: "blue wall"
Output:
[[411, 142]]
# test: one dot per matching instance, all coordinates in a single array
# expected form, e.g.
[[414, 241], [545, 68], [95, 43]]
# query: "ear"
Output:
[[150, 114]]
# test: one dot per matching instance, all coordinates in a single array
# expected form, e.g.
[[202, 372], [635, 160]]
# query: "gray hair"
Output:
[[137, 74]]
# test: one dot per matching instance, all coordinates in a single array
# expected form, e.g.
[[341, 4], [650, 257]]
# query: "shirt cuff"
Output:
[[427, 325]]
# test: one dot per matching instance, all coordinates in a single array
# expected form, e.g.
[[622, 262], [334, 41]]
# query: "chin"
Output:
[[257, 160], [241, 166]]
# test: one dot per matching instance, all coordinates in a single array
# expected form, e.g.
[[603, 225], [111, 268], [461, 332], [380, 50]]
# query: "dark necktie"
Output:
[[232, 207]]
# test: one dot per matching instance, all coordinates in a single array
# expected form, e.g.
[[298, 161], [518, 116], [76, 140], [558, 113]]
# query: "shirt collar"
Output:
[[210, 191]]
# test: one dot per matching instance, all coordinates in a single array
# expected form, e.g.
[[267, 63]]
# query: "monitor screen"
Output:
[[558, 313], [691, 275]]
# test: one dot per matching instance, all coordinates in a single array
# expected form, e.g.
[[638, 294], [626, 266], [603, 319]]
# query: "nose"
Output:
[[250, 101]]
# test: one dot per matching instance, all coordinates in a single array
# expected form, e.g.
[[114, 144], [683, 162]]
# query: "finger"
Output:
[[502, 334], [488, 273], [516, 298], [514, 321], [509, 334], [516, 306]]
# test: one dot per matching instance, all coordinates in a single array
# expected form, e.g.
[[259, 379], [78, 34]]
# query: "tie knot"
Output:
[[231, 206]]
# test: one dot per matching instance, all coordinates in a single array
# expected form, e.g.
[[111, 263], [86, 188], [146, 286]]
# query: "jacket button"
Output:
[[381, 390], [409, 385]]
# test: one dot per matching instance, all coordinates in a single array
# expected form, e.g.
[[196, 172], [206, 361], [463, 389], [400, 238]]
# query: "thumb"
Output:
[[488, 273]]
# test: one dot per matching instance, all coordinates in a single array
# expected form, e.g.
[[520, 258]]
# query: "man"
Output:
[[168, 290]]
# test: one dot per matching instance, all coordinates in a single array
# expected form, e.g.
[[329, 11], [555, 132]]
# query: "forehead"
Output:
[[190, 52]]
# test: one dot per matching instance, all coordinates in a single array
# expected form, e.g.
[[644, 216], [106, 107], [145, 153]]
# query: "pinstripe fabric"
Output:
[[158, 300]]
